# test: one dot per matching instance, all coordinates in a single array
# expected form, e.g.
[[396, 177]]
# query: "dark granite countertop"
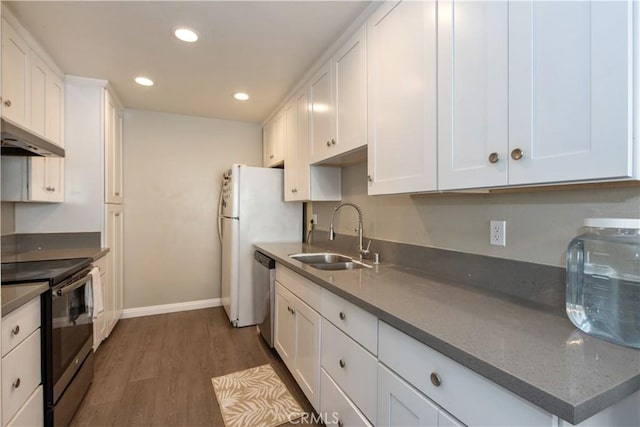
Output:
[[15, 296], [528, 349], [49, 254]]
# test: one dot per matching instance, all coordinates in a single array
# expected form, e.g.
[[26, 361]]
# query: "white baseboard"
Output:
[[169, 308]]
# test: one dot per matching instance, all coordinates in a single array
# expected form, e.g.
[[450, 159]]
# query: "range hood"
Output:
[[17, 141]]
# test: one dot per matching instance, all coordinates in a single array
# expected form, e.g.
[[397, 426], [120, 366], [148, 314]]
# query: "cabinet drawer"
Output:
[[336, 407], [472, 398], [31, 414], [352, 368], [20, 375], [19, 324], [359, 324], [302, 287]]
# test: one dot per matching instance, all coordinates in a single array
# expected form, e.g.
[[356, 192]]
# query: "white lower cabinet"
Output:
[[32, 413], [297, 341], [352, 368], [336, 408], [399, 404], [472, 398], [20, 375]]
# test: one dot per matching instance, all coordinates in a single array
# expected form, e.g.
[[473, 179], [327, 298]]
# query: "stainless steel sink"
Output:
[[329, 261], [320, 258]]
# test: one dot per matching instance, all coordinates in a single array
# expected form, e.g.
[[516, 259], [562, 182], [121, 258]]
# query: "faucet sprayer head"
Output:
[[332, 233]]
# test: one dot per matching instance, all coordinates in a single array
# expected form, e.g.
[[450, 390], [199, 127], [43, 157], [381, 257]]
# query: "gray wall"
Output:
[[7, 218], [172, 170], [539, 224]]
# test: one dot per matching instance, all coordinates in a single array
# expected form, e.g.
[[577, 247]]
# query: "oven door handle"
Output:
[[71, 287]]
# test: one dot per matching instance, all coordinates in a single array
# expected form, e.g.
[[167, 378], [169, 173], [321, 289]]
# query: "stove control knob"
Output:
[[59, 292]]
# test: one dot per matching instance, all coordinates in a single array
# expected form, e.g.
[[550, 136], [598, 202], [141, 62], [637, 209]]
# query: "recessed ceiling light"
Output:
[[185, 34], [241, 96], [144, 81]]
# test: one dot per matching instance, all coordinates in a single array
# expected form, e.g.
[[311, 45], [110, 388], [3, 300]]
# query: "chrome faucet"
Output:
[[332, 234]]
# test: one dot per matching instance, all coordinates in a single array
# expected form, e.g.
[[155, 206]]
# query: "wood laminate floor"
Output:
[[157, 370]]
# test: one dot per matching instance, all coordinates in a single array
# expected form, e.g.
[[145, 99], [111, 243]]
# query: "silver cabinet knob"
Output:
[[435, 379], [16, 330], [16, 383], [517, 154], [342, 315], [328, 143], [333, 141], [271, 156], [342, 363], [493, 158], [7, 103], [117, 214], [369, 178], [117, 193], [340, 423]]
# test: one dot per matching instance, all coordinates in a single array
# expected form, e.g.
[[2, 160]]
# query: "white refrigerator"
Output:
[[251, 210]]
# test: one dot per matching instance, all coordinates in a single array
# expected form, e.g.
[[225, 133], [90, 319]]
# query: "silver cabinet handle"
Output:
[[493, 158], [435, 379], [292, 190], [16, 383], [117, 214], [328, 143], [517, 154], [271, 156], [7, 103], [16, 330], [342, 315], [340, 423], [333, 141], [342, 363], [117, 193], [369, 178]]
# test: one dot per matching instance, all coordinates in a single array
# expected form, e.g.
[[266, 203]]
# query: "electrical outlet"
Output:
[[497, 233]]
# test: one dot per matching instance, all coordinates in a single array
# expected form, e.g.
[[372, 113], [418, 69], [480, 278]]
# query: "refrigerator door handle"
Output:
[[220, 212]]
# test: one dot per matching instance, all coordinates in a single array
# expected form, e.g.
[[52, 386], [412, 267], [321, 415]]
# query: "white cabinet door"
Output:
[[273, 141], [291, 166], [284, 332], [303, 184], [322, 114], [350, 71], [472, 94], [399, 404], [113, 296], [401, 62], [54, 104], [38, 91], [15, 76], [307, 351], [113, 149], [570, 90]]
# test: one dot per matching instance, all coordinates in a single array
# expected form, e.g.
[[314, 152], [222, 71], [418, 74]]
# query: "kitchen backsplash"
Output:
[[539, 224]]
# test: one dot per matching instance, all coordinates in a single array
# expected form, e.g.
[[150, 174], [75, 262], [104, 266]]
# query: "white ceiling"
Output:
[[259, 47]]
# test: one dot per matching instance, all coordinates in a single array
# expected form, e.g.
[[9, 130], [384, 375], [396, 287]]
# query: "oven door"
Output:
[[72, 329]]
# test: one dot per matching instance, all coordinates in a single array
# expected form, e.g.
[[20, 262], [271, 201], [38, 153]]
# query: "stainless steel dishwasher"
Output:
[[264, 277]]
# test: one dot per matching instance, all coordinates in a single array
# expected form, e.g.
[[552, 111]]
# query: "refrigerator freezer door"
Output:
[[230, 268]]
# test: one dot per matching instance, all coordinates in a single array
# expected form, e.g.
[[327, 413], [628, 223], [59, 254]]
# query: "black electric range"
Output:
[[67, 331], [52, 271]]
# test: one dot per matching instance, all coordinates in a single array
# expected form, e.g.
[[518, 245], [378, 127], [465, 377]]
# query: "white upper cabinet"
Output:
[[321, 110], [302, 181], [338, 102], [113, 149], [15, 72], [534, 92], [472, 94], [570, 91], [401, 46], [293, 157], [273, 141]]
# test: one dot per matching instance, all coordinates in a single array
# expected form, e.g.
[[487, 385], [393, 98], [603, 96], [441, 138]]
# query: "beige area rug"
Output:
[[255, 397]]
